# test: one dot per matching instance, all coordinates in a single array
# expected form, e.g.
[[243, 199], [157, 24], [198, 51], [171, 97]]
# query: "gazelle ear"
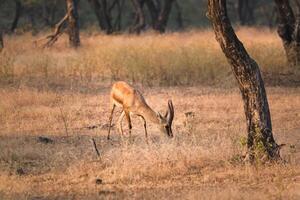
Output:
[[167, 113]]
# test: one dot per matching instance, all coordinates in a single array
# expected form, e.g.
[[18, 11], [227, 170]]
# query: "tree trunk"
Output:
[[18, 10], [1, 41], [260, 142], [153, 10], [289, 31], [164, 16], [139, 22], [73, 23], [96, 6], [118, 21], [106, 16]]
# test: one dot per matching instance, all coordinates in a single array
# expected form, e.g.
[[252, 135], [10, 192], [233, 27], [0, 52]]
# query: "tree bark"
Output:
[[289, 31], [1, 41], [73, 23], [260, 141], [18, 10]]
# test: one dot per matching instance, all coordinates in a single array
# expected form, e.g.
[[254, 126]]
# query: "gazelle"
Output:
[[132, 102]]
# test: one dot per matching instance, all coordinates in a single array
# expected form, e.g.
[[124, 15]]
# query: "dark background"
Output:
[[33, 16]]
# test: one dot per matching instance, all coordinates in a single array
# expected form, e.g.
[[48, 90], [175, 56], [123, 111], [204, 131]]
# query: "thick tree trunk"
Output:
[[261, 143], [289, 31], [73, 23], [1, 41], [18, 10]]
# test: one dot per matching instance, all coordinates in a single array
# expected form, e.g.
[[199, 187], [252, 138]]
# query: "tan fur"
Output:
[[132, 102]]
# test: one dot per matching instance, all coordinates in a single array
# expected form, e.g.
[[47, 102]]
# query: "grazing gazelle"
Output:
[[132, 102]]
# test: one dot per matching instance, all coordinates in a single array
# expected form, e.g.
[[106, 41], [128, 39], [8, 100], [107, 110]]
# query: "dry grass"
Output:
[[203, 157], [190, 58], [61, 94]]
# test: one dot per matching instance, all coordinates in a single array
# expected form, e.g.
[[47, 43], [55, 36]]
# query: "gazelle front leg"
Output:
[[145, 126], [110, 119], [127, 114], [120, 120]]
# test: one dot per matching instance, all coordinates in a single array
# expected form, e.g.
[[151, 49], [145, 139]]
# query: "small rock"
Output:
[[45, 140], [20, 171], [92, 127], [106, 126], [189, 114], [99, 181], [106, 193]]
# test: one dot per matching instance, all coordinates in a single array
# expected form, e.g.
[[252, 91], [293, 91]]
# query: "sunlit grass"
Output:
[[189, 58]]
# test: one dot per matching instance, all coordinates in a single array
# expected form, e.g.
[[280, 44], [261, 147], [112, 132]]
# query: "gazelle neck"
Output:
[[149, 114]]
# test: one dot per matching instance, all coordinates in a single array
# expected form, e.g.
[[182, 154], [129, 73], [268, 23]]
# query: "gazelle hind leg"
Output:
[[110, 119], [145, 127], [127, 114], [120, 120]]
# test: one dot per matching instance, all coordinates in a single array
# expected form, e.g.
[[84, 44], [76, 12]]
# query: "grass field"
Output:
[[62, 94]]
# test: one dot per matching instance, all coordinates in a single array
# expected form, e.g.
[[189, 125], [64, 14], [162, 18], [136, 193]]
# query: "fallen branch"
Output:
[[64, 120], [57, 32], [95, 146]]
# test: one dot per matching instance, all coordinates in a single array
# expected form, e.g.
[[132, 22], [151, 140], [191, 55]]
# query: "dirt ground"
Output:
[[47, 153]]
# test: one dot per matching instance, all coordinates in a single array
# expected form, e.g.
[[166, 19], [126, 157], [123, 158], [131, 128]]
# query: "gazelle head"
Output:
[[166, 120]]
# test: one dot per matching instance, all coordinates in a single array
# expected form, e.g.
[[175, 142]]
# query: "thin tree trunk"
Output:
[[96, 6], [260, 143], [288, 31], [18, 10], [164, 16], [139, 22], [118, 22], [73, 23], [106, 16]]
